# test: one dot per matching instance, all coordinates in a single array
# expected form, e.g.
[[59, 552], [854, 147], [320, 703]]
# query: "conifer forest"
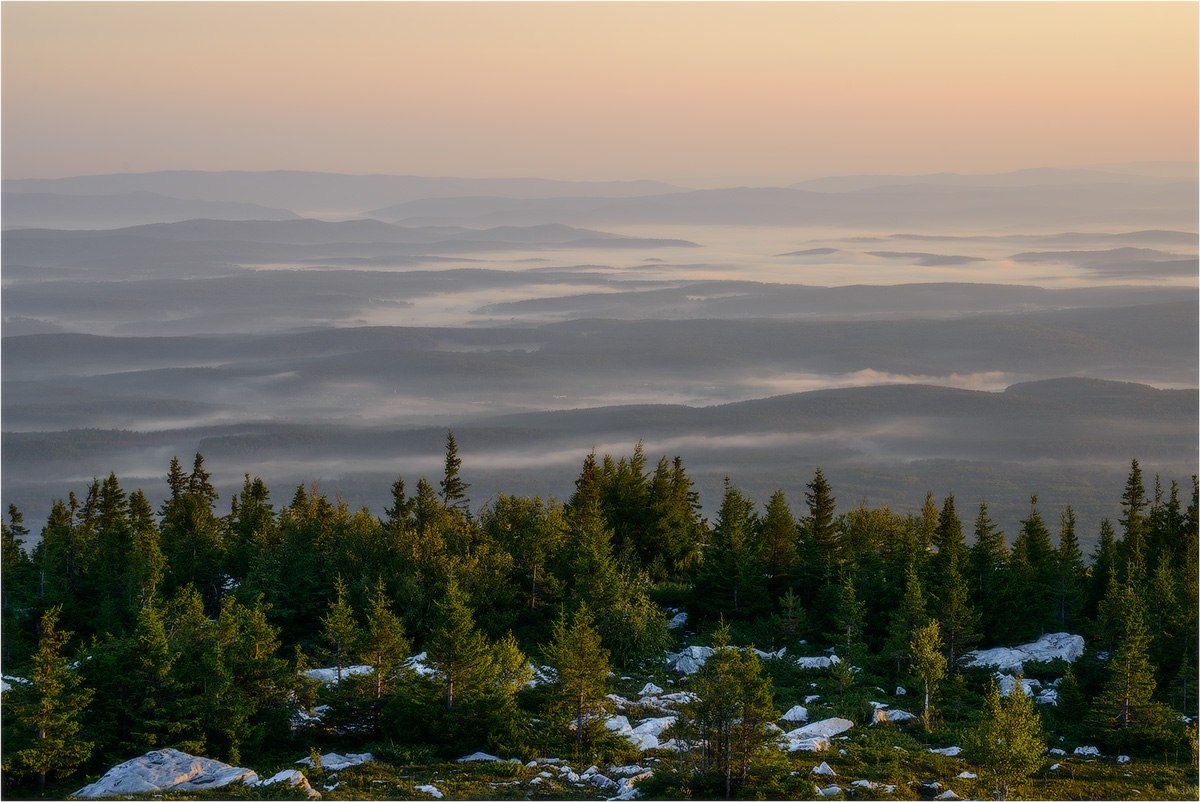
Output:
[[801, 649]]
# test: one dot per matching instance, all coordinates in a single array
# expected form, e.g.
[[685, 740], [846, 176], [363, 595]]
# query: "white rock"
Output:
[[1049, 696], [1056, 767], [477, 757], [882, 716], [329, 676], [627, 771], [795, 713], [650, 689], [948, 751], [812, 697], [817, 662], [824, 769], [1055, 751], [900, 691], [1054, 646], [948, 795], [826, 728], [864, 784], [807, 744], [689, 660], [335, 762], [1008, 684], [1122, 758], [432, 790], [831, 790], [966, 775], [618, 724], [166, 770], [295, 779], [678, 620], [1087, 751]]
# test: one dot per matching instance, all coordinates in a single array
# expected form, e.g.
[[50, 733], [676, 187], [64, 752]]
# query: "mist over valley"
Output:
[[967, 335]]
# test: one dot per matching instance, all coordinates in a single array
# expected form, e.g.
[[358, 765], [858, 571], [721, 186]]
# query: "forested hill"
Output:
[[197, 625]]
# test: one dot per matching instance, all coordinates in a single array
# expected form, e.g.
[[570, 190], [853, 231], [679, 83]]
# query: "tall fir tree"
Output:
[[49, 711], [453, 488], [581, 665]]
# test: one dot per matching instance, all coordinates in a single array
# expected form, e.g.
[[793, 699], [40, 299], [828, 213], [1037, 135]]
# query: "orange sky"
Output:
[[696, 93]]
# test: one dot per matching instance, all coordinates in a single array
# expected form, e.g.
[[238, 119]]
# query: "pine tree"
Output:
[[49, 711], [988, 568], [911, 615], [385, 650], [582, 667], [1008, 743], [928, 665], [1069, 584], [727, 719], [340, 630], [960, 621], [851, 620], [459, 651], [778, 538], [1125, 712], [820, 552], [1033, 571], [453, 488], [731, 581], [1133, 520]]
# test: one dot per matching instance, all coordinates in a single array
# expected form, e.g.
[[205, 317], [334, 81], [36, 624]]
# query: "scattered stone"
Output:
[[678, 620], [432, 790], [795, 713], [948, 751], [474, 757], [900, 691], [831, 790], [808, 700], [335, 762], [966, 775], [948, 795], [1087, 751], [824, 769], [329, 676], [1122, 758], [1055, 751], [650, 689], [295, 779], [1056, 767]]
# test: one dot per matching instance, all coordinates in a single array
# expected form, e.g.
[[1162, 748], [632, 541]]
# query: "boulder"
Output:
[[650, 689], [295, 779], [795, 713], [432, 790], [1087, 751], [335, 762], [826, 728], [1054, 646], [824, 769], [166, 770], [948, 751]]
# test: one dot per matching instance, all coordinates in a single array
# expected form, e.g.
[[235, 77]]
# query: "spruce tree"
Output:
[[385, 649], [909, 616], [988, 572], [49, 711], [727, 719], [1134, 505], [960, 621], [1125, 713], [1070, 575], [730, 581], [340, 630], [820, 552], [459, 651], [581, 666], [778, 538], [1008, 743], [453, 488], [928, 665]]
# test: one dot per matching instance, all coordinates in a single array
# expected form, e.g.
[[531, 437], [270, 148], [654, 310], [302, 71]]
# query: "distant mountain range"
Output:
[[1163, 196]]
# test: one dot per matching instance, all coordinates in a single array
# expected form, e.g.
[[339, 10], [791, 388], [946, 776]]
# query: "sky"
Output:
[[698, 94]]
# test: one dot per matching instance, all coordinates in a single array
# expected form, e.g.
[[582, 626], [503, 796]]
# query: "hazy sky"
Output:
[[696, 93]]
